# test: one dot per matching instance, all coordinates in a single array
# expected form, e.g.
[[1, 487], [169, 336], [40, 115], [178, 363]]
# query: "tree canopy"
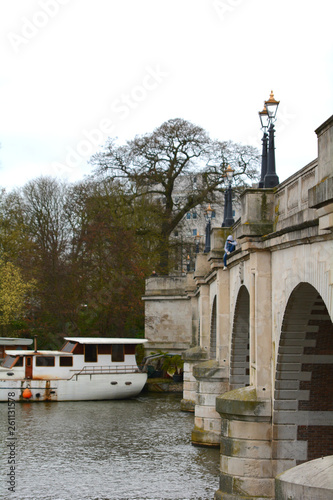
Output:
[[73, 257], [14, 292], [176, 153], [79, 247]]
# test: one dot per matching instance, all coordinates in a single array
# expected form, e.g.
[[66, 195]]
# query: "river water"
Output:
[[138, 449]]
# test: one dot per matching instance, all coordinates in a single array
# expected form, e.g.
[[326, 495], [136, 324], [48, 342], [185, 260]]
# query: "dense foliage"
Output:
[[73, 257], [72, 262]]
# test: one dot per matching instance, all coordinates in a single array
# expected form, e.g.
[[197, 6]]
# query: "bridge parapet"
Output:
[[291, 204], [321, 195], [257, 213], [265, 211]]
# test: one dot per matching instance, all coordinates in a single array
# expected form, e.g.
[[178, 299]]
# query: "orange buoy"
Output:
[[27, 394]]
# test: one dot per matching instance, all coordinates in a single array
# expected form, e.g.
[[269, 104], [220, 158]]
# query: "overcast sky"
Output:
[[74, 72]]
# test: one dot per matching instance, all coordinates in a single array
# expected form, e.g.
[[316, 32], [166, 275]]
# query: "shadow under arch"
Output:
[[240, 348], [213, 322], [198, 339], [303, 397]]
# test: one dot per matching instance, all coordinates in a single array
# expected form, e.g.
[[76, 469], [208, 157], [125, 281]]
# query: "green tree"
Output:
[[14, 292], [153, 165], [43, 201], [113, 262], [15, 242], [81, 245]]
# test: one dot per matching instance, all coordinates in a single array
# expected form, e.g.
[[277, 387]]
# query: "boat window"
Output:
[[117, 352], [65, 361], [19, 361], [8, 361], [44, 360], [104, 349], [130, 349], [79, 349], [68, 347], [90, 353]]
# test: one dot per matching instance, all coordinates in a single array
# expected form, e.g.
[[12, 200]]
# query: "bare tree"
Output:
[[153, 165]]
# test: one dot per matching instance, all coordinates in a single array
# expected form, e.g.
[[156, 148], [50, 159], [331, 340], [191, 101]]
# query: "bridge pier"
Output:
[[212, 381], [191, 357], [247, 470]]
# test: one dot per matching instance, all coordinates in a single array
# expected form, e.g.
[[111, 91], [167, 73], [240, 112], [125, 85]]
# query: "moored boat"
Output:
[[86, 368]]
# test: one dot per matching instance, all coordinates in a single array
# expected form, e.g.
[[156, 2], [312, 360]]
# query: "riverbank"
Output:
[[163, 385]]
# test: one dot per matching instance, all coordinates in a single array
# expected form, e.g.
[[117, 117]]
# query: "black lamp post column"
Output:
[[267, 117], [208, 214], [263, 160], [263, 115], [188, 263], [271, 179], [197, 242], [228, 219]]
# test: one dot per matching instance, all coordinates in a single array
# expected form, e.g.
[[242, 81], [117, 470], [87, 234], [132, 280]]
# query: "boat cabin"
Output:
[[12, 343], [84, 355]]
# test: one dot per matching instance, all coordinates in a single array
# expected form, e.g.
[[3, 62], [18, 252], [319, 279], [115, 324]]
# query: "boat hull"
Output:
[[81, 387]]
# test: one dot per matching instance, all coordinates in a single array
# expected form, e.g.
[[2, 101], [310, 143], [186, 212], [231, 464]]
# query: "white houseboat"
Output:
[[86, 368]]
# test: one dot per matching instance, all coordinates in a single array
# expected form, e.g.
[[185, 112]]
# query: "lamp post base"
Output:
[[228, 223], [271, 180]]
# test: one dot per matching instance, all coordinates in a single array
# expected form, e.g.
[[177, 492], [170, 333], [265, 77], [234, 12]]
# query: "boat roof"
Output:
[[104, 340], [14, 341], [20, 352]]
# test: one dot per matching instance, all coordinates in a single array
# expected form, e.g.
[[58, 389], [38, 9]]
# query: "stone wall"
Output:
[[168, 314], [310, 481]]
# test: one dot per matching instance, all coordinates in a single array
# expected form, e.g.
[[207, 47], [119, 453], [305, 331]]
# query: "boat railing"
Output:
[[95, 370]]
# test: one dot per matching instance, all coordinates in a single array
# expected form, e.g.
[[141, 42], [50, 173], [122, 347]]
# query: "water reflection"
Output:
[[136, 449]]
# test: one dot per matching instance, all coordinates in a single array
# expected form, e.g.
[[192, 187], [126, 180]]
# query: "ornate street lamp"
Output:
[[271, 179], [197, 239], [208, 216], [272, 106], [228, 218], [188, 263], [264, 120]]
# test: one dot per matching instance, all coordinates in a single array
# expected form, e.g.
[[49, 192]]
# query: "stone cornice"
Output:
[[327, 124], [243, 404], [165, 297]]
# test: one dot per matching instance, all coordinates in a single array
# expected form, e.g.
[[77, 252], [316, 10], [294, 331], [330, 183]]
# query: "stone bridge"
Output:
[[258, 370]]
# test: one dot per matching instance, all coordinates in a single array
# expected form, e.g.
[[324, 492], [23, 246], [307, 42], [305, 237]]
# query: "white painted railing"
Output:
[[99, 370]]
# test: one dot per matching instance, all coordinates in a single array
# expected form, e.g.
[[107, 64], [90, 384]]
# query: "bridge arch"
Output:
[[303, 402], [240, 343]]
